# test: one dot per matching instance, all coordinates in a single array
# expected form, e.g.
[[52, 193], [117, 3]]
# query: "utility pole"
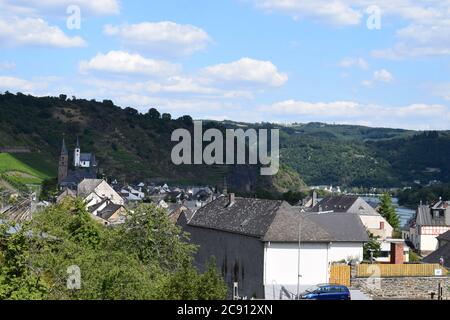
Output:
[[299, 249]]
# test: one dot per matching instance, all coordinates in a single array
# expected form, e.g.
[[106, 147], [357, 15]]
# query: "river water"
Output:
[[404, 213]]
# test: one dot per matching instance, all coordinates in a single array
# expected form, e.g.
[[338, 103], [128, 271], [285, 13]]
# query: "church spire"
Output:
[[63, 147], [78, 143]]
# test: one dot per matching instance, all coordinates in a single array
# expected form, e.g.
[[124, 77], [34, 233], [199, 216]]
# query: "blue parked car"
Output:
[[326, 292]]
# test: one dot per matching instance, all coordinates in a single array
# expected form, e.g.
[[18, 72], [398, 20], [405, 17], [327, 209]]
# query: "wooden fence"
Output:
[[340, 274], [398, 270]]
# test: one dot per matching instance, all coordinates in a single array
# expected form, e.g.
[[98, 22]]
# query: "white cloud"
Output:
[[247, 71], [354, 62], [383, 76], [329, 11], [162, 37], [17, 84], [121, 62], [414, 116], [36, 32], [379, 76], [96, 7], [426, 33]]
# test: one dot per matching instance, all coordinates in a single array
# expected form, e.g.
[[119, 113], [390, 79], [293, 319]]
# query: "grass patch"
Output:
[[26, 168]]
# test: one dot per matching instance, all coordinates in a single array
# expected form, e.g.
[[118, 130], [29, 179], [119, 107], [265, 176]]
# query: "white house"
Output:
[[255, 243], [429, 223], [372, 220], [94, 191]]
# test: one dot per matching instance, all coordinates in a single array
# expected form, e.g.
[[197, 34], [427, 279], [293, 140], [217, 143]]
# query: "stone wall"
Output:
[[402, 288]]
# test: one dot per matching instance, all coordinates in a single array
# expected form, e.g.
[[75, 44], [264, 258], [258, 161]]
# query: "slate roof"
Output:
[[440, 205], [445, 236], [277, 221], [285, 228], [96, 206], [336, 203], [74, 177], [246, 216], [435, 256], [87, 157], [341, 226], [109, 210], [424, 217], [87, 186]]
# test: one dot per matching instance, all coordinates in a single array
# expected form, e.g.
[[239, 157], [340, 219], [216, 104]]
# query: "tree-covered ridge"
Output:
[[146, 258], [412, 197], [128, 145], [131, 145]]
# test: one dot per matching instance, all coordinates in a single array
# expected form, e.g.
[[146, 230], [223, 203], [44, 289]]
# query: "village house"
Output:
[[442, 254], [102, 201], [255, 243], [94, 191], [108, 212], [429, 223], [372, 220]]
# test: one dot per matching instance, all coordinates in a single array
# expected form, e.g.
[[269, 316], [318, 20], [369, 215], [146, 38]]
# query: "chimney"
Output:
[[397, 252], [231, 197]]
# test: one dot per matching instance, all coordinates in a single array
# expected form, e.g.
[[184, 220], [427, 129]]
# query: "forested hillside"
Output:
[[130, 145]]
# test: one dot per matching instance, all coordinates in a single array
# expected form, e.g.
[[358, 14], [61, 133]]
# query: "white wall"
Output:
[[372, 223], [104, 190], [281, 261], [346, 251], [428, 243]]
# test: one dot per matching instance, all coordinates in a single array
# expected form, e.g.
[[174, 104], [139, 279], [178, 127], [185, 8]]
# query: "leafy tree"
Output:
[[372, 246], [166, 116], [146, 258], [188, 284], [151, 236], [154, 114], [49, 189], [387, 210], [18, 281]]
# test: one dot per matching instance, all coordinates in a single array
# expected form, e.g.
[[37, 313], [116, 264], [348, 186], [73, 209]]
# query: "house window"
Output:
[[381, 225]]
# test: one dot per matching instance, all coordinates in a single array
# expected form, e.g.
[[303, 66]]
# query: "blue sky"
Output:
[[248, 60]]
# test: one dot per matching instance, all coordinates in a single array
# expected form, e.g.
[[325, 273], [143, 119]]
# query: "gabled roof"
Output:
[[109, 210], [247, 216], [345, 203], [285, 228], [445, 236], [435, 256], [336, 203], [440, 205], [78, 175], [87, 186], [87, 157], [341, 226], [277, 221], [424, 217]]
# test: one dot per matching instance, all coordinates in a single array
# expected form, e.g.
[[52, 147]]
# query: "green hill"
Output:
[[128, 145], [132, 146]]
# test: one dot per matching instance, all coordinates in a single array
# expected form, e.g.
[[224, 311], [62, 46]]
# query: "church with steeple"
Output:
[[84, 167]]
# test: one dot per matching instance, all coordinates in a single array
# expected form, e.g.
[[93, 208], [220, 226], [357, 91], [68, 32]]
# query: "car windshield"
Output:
[[312, 289]]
